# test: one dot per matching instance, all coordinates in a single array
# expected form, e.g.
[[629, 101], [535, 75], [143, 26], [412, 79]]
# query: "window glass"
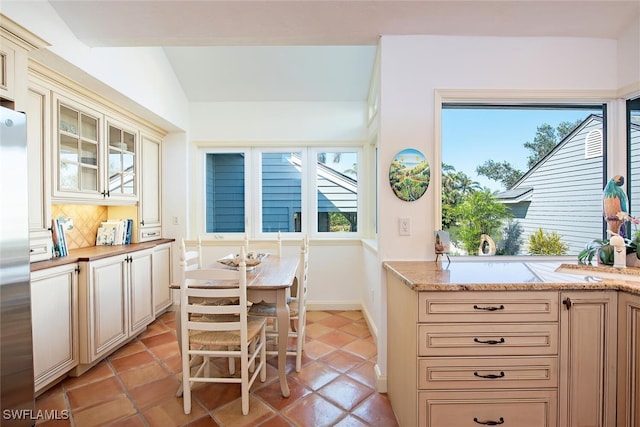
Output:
[[526, 179], [268, 190], [337, 191], [281, 184], [633, 137], [225, 189]]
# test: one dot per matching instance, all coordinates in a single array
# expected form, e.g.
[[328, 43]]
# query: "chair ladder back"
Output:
[[274, 247]]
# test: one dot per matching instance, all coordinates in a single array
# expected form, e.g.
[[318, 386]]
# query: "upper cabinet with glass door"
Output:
[[91, 163], [121, 171]]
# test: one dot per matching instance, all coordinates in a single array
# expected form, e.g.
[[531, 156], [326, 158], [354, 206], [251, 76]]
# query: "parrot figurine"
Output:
[[615, 205]]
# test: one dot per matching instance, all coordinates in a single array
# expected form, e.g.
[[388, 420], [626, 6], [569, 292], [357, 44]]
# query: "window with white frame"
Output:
[[519, 174], [261, 191]]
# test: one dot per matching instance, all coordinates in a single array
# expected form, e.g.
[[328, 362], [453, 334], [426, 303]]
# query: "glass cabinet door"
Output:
[[122, 164], [78, 152]]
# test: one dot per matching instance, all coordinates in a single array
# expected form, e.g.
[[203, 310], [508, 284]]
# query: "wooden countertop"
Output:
[[512, 275], [93, 253]]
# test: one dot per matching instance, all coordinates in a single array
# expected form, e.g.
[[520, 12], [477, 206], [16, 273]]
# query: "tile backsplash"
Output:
[[86, 220]]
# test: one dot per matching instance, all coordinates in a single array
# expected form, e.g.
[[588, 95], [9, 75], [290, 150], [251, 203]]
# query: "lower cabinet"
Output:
[[512, 358], [54, 318], [588, 324], [530, 408], [115, 296], [161, 278], [628, 360]]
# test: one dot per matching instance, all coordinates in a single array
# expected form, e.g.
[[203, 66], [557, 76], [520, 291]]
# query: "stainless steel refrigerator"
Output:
[[16, 354]]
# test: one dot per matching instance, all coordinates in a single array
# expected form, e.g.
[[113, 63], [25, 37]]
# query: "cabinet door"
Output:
[[121, 165], [629, 360], [103, 295], [38, 141], [77, 150], [140, 290], [7, 69], [161, 277], [588, 324], [150, 222], [54, 313]]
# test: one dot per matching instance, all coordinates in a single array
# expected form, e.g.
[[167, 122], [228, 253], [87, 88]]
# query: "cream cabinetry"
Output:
[[15, 44], [476, 358], [161, 278], [115, 297], [54, 312], [94, 155], [150, 196], [38, 139], [628, 360], [588, 322]]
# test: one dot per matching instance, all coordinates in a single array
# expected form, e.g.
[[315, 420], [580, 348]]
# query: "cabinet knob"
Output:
[[567, 302]]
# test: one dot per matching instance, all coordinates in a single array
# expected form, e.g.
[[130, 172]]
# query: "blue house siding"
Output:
[[281, 193], [567, 194], [225, 179]]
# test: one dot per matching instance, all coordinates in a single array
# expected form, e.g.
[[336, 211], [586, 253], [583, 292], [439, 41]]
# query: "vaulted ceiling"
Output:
[[306, 50]]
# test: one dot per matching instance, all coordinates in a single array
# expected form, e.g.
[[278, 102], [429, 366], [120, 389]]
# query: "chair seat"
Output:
[[267, 309], [226, 338]]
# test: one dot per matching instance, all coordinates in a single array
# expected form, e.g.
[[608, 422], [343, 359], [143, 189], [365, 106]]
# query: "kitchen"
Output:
[[412, 70]]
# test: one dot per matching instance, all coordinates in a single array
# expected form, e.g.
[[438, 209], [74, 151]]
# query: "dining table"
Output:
[[270, 282]]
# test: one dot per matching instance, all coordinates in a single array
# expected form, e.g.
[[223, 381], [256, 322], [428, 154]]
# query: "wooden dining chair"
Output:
[[297, 308], [219, 331]]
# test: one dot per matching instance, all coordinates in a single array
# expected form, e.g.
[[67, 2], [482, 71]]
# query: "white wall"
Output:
[[629, 60], [139, 79], [414, 67]]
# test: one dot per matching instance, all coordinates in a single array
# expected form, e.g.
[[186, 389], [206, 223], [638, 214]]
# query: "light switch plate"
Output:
[[404, 227]]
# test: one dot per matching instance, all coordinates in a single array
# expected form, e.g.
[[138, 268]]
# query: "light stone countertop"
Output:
[[512, 276]]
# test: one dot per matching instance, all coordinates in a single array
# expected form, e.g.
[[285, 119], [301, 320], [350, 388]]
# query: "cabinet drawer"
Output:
[[150, 233], [488, 307], [449, 373], [487, 339], [535, 408]]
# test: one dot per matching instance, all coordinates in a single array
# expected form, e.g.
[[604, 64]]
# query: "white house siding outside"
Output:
[[567, 193]]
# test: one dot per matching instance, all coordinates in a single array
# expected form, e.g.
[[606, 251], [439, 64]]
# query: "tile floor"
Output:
[[136, 385]]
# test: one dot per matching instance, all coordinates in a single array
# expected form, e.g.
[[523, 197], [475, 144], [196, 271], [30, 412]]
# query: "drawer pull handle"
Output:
[[489, 423], [500, 341], [490, 308], [489, 376]]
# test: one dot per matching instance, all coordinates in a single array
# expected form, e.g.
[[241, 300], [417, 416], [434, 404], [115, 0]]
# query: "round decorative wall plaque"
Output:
[[409, 174]]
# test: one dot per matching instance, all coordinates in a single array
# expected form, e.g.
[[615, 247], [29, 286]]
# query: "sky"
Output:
[[472, 136]]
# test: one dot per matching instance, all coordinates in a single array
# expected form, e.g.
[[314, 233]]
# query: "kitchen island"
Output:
[[512, 343]]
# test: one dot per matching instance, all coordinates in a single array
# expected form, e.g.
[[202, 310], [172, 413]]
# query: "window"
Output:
[[633, 144], [528, 176], [225, 192], [261, 191]]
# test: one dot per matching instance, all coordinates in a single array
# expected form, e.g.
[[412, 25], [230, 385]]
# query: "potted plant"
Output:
[[603, 251]]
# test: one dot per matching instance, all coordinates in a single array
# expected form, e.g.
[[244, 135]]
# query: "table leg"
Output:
[[282, 312]]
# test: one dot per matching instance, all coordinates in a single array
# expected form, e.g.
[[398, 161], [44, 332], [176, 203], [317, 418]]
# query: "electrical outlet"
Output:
[[175, 221], [405, 227]]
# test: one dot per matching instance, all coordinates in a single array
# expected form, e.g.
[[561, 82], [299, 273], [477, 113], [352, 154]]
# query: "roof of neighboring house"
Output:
[[516, 195], [556, 148]]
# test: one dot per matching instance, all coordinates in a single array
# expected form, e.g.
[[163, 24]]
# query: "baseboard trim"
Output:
[[333, 305], [381, 380]]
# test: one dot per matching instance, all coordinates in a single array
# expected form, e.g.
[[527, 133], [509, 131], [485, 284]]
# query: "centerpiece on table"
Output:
[[615, 205]]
